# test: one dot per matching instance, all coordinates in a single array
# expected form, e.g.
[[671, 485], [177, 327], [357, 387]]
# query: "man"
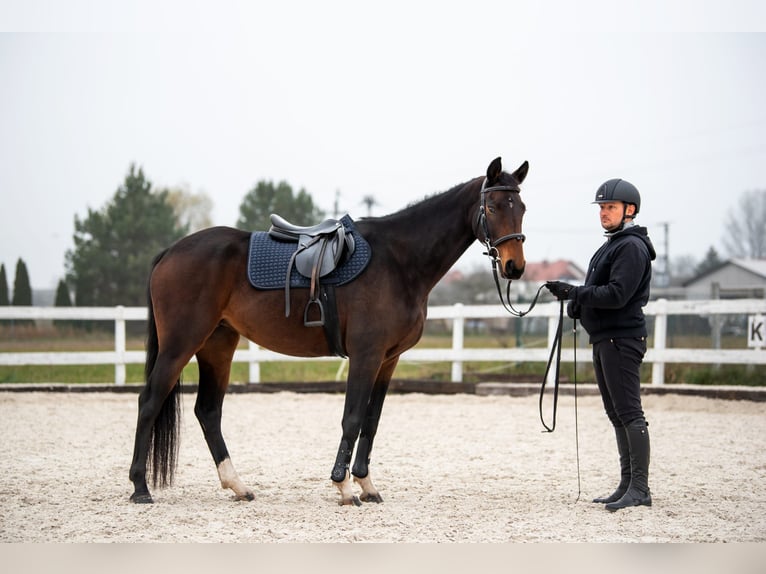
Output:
[[609, 307]]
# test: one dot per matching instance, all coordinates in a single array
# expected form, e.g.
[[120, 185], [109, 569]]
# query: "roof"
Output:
[[552, 271], [755, 266]]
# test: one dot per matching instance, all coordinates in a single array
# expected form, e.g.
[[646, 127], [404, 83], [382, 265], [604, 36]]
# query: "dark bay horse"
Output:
[[200, 303]]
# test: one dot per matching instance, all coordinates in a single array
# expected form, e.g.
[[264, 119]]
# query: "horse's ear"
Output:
[[521, 173], [494, 170]]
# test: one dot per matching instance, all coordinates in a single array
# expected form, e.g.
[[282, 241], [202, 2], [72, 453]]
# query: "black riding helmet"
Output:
[[618, 190]]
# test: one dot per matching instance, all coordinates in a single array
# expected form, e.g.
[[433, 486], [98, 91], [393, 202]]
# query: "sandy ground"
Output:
[[459, 468]]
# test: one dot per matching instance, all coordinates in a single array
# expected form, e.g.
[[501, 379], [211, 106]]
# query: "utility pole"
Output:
[[336, 208], [663, 271]]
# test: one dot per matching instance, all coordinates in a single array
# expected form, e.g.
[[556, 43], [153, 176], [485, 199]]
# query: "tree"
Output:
[[266, 198], [191, 209], [4, 300], [746, 226], [710, 262], [63, 299], [22, 290], [114, 247]]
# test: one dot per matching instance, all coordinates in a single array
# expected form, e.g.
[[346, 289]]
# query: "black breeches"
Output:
[[617, 363]]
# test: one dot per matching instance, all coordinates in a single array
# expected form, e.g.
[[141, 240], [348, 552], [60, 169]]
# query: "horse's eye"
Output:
[[491, 209]]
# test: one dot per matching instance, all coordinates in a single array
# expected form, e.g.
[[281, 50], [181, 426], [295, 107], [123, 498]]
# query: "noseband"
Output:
[[484, 223]]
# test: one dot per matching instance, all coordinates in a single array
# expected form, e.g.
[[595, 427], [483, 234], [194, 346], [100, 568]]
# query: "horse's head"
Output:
[[499, 221]]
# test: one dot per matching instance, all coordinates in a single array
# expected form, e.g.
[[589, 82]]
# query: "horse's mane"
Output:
[[427, 204]]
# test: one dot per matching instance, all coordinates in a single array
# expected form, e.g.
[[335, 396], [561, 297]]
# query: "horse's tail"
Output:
[[163, 447]]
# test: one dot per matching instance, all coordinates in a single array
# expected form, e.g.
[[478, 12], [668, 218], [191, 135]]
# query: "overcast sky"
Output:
[[389, 100]]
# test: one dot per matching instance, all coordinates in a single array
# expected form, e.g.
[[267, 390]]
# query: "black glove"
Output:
[[559, 289]]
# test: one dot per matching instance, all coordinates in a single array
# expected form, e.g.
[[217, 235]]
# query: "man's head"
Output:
[[619, 201]]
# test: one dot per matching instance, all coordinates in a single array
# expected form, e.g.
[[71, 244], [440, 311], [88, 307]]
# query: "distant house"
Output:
[[561, 270], [735, 278], [537, 273]]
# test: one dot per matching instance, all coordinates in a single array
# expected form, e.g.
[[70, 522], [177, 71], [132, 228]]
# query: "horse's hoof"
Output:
[[354, 501], [141, 498], [248, 496], [371, 498]]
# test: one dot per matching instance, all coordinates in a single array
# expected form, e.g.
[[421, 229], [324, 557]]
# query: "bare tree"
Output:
[[192, 209], [746, 226]]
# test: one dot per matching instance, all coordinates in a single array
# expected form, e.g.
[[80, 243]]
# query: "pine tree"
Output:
[[63, 299], [4, 300], [266, 198], [22, 290], [114, 247]]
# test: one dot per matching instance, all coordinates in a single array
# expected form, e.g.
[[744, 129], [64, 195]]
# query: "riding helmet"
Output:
[[618, 190]]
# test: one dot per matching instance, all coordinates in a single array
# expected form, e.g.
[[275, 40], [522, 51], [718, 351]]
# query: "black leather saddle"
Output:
[[320, 250]]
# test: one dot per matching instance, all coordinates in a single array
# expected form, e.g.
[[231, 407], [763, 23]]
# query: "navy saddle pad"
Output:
[[268, 260]]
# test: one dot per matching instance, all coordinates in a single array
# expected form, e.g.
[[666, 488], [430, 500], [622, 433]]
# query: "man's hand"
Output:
[[559, 289]]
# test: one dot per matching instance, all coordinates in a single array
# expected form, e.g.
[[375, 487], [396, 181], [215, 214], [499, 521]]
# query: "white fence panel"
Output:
[[658, 355]]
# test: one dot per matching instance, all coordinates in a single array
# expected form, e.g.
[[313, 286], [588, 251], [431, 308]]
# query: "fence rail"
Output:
[[658, 355]]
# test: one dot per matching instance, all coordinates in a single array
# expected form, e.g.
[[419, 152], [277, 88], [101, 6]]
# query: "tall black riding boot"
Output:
[[624, 451], [638, 492]]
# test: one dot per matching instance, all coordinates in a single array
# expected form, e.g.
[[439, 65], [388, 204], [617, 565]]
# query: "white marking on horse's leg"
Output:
[[369, 492], [230, 479], [347, 496]]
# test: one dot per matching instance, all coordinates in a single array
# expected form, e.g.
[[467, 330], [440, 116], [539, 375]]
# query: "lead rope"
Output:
[[577, 428], [556, 349], [509, 306]]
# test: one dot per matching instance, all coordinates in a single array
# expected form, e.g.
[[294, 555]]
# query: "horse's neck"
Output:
[[427, 239]]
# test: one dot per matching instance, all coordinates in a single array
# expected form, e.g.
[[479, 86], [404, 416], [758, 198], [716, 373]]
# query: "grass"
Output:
[[39, 340]]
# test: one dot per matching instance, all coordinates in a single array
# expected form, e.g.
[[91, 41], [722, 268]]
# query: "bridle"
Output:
[[491, 245], [484, 223]]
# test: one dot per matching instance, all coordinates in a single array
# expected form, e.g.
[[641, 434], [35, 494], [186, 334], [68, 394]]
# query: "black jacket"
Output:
[[616, 288]]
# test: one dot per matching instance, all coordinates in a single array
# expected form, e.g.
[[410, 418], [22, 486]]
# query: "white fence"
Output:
[[658, 355]]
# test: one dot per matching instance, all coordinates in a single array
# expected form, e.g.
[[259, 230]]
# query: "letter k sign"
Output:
[[756, 332]]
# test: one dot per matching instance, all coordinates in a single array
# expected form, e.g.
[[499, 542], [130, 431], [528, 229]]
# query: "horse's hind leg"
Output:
[[158, 418], [214, 361]]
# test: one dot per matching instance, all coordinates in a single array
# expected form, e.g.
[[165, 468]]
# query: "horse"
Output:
[[200, 303]]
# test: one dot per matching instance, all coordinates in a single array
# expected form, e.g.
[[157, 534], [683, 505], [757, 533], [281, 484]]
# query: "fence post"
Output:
[[119, 345], [458, 324], [255, 366], [660, 337]]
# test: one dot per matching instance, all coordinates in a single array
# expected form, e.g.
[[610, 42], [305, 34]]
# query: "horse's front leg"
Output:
[[358, 391], [361, 468]]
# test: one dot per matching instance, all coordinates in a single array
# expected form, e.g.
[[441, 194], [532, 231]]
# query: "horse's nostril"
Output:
[[512, 272]]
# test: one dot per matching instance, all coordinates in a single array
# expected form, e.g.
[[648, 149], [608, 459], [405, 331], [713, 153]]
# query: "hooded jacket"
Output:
[[616, 288]]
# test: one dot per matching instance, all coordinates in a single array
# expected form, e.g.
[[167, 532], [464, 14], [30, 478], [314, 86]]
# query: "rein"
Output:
[[556, 349], [492, 253]]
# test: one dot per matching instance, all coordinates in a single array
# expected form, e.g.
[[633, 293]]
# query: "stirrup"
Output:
[[320, 322]]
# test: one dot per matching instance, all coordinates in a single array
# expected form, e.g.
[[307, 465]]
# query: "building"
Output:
[[733, 279], [537, 273]]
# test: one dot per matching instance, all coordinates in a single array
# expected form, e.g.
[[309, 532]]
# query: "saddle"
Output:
[[320, 250]]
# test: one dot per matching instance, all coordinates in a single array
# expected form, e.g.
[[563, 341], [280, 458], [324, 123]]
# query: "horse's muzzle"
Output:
[[510, 271]]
